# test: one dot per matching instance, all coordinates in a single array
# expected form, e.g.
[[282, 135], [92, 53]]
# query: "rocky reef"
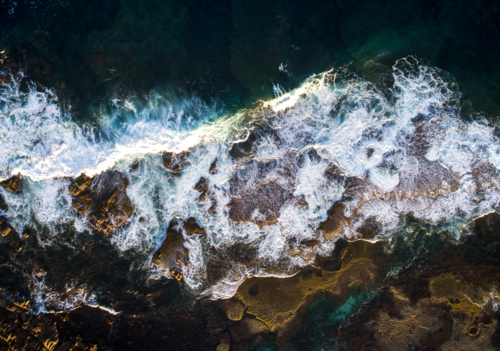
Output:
[[173, 255], [102, 200], [12, 184]]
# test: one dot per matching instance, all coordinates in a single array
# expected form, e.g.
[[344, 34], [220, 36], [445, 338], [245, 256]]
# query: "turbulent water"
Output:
[[379, 150]]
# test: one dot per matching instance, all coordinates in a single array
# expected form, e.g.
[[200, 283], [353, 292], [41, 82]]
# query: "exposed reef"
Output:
[[174, 161], [102, 199], [203, 187], [173, 255], [12, 184]]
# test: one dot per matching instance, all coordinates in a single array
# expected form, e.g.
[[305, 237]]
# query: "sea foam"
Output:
[[406, 142]]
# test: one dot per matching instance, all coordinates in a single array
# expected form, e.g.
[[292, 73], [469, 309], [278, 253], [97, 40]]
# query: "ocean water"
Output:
[[404, 136]]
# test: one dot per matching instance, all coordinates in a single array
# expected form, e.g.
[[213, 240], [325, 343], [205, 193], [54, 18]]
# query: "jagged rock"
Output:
[[12, 184], [192, 227], [103, 200], [260, 205], [173, 161], [3, 205], [172, 255], [5, 228], [337, 220], [19, 331], [213, 167], [203, 187]]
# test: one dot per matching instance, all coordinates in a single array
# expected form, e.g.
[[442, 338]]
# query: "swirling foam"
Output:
[[360, 127]]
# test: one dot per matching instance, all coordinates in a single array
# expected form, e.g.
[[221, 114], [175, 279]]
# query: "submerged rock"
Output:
[[440, 313], [103, 200], [12, 184], [280, 302]]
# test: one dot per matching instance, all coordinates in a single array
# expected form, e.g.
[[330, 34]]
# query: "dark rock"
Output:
[[336, 221], [102, 199], [3, 205], [173, 161], [20, 331], [192, 227], [203, 187], [260, 205], [172, 255], [213, 167], [12, 184], [370, 228]]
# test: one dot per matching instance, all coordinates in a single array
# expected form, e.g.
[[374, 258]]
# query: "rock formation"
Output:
[[173, 161], [102, 199], [173, 255], [12, 184]]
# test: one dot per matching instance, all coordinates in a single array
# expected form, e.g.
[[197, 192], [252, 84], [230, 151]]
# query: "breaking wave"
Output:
[[293, 174]]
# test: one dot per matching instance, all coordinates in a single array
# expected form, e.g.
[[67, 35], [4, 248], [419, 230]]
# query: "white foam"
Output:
[[337, 114]]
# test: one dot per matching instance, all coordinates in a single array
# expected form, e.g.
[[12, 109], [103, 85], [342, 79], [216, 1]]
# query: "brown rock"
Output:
[[192, 227], [336, 220], [278, 302], [260, 205], [103, 200], [173, 161], [12, 184], [203, 188], [172, 255], [233, 308], [225, 344], [20, 331]]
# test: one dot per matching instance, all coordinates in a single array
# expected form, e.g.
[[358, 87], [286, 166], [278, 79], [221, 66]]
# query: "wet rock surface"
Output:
[[12, 184], [203, 187], [173, 161], [260, 205], [103, 200], [173, 255], [425, 287]]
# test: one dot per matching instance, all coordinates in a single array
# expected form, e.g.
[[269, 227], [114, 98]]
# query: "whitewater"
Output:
[[409, 143]]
